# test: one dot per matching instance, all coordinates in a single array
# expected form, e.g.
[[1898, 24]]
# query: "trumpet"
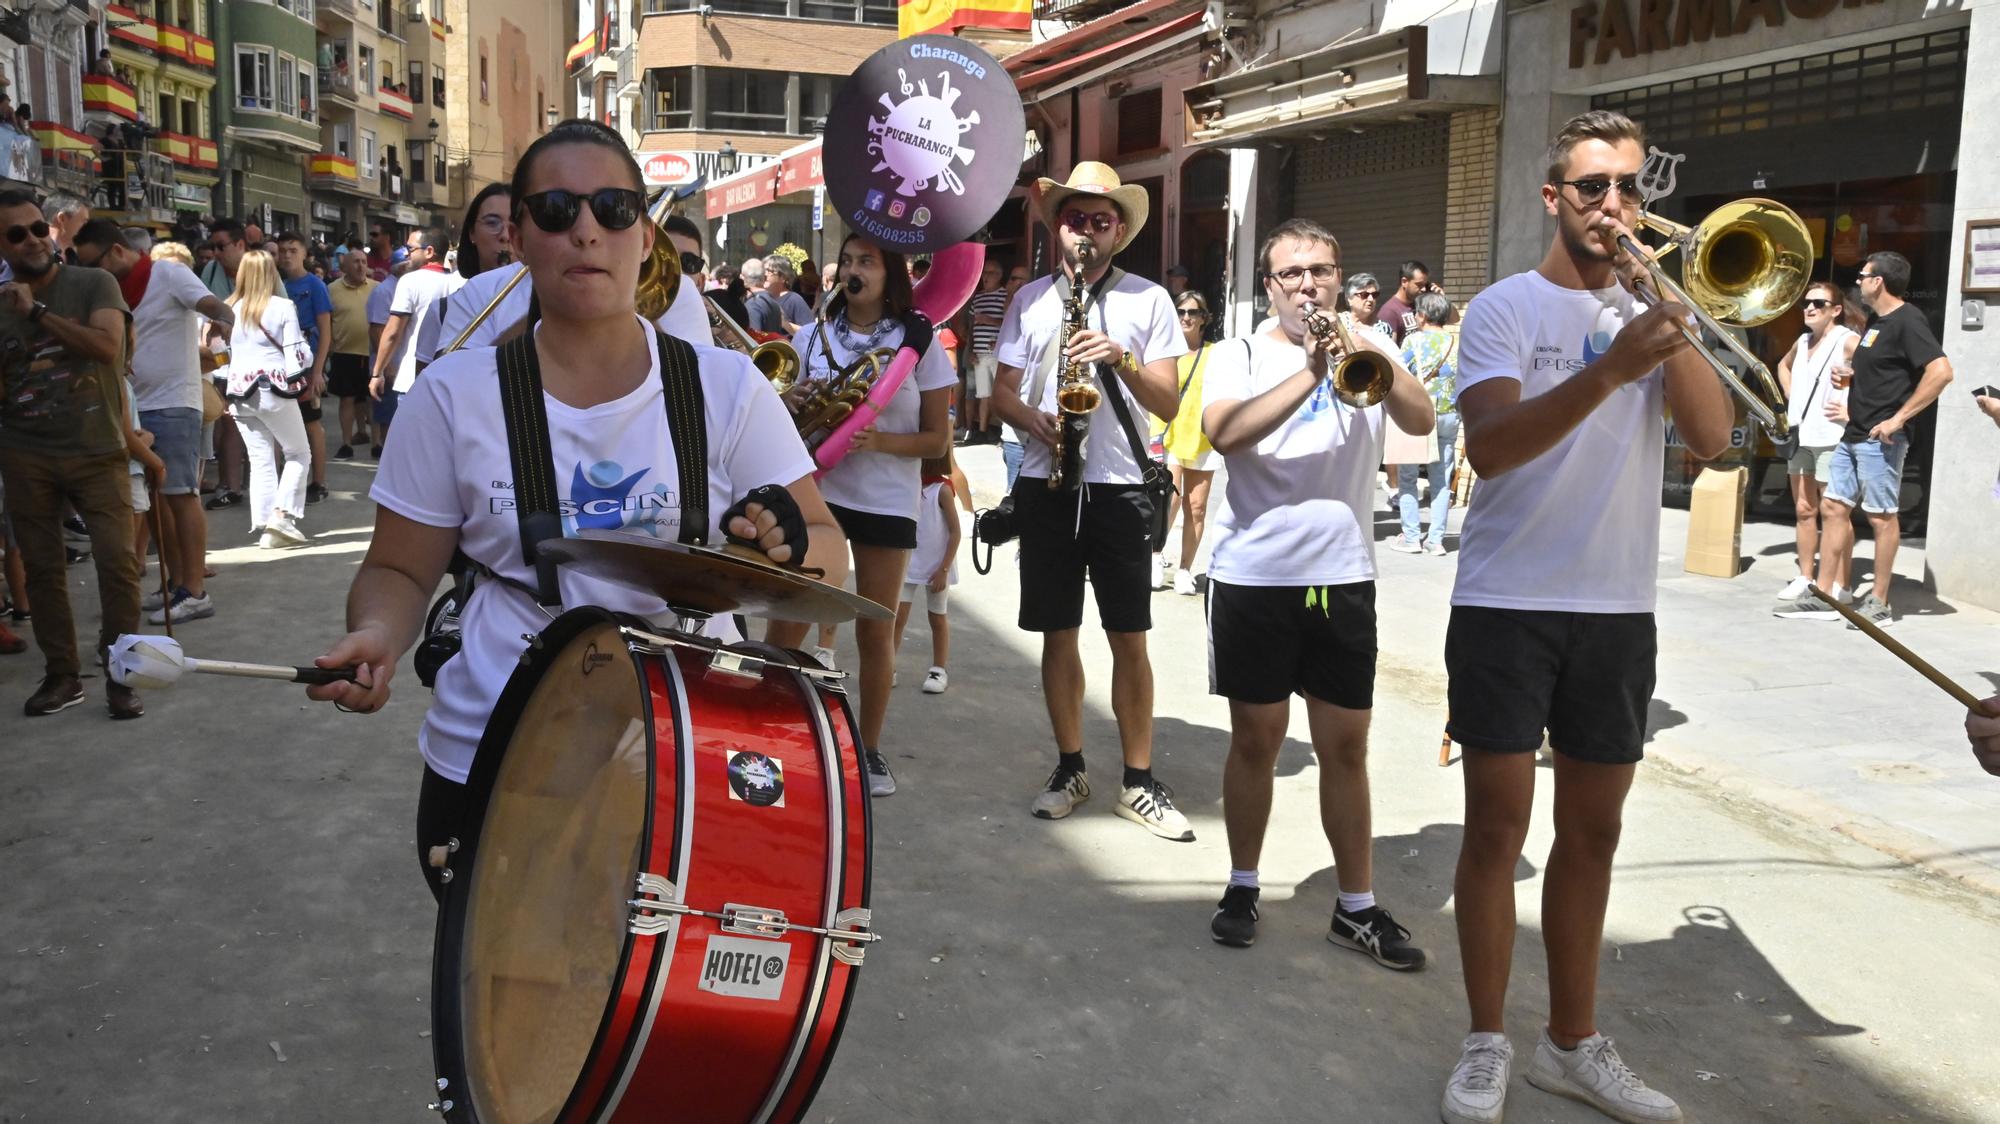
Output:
[[1359, 377], [1745, 264], [776, 358], [1077, 397]]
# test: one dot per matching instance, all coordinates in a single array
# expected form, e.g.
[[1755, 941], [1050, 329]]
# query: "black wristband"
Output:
[[791, 521], [36, 313]]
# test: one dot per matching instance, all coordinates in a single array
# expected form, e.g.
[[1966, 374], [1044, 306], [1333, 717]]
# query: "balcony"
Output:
[[338, 83], [394, 104], [332, 170], [628, 68], [102, 94], [174, 44], [345, 10], [185, 151], [137, 185], [69, 159]]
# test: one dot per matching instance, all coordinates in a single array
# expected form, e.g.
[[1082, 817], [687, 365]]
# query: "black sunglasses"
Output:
[[1082, 222], [1191, 314], [690, 263], [615, 208], [1814, 302], [18, 234], [1593, 190]]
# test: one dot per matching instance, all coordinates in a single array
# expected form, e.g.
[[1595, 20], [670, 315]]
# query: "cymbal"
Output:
[[708, 580]]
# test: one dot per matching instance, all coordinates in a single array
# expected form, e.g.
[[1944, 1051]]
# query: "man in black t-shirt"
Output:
[[1899, 370]]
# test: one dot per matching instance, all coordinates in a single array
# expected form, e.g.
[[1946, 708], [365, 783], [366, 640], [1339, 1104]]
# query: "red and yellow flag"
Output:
[[585, 47], [945, 17]]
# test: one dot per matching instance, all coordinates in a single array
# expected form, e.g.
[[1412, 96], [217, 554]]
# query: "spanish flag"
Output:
[[581, 51], [945, 17]]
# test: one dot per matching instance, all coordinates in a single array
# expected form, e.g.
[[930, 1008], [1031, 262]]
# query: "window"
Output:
[[745, 101], [288, 84], [437, 87], [416, 83], [482, 76], [343, 139], [191, 118], [1139, 122], [365, 164], [437, 164], [169, 107], [419, 160], [842, 10], [541, 112], [364, 68], [253, 78], [816, 98], [307, 93], [673, 98]]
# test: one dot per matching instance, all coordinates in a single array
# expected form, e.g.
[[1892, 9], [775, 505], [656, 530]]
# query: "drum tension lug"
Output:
[[737, 665]]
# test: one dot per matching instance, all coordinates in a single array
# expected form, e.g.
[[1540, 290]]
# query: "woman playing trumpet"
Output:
[[875, 490]]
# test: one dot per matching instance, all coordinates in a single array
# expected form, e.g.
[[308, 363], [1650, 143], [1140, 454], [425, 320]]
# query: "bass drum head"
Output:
[[558, 854]]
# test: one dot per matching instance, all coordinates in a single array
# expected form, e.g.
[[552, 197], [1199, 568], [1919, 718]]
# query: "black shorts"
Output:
[[1267, 643], [865, 528], [347, 376], [1586, 678], [1111, 540]]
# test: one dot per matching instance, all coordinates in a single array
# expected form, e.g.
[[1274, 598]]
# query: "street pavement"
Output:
[[213, 914]]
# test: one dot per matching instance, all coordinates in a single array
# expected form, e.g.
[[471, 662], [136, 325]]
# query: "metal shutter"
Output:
[[1381, 192]]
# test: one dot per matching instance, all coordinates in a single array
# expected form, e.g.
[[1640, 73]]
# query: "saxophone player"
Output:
[[1291, 593], [1101, 522]]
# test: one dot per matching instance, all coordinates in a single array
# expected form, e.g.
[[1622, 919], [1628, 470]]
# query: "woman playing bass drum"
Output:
[[875, 490]]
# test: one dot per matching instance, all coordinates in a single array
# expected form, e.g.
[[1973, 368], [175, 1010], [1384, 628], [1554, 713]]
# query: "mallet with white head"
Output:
[[157, 662]]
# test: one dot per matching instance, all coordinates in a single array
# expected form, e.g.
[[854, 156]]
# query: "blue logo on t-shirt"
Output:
[[601, 499], [1594, 346]]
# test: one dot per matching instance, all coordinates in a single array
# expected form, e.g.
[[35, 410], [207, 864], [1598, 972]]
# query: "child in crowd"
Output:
[[933, 568]]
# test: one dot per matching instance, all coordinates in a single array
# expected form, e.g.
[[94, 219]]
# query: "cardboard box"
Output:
[[1715, 522]]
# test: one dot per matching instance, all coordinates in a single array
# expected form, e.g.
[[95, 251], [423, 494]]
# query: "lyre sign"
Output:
[[1656, 175]]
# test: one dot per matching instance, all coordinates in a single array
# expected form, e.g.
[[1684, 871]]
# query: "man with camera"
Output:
[[1101, 523]]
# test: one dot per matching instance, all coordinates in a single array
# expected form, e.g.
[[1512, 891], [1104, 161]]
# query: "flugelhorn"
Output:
[[776, 358], [1744, 265], [1359, 377]]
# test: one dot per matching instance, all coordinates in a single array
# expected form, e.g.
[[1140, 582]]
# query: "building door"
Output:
[[1204, 234], [1381, 193], [1142, 257]]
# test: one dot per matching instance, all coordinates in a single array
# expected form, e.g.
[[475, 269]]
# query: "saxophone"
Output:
[[1077, 397]]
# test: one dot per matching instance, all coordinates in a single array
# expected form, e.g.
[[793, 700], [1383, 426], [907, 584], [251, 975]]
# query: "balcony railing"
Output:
[[628, 66], [104, 94], [138, 183], [186, 151], [394, 104], [175, 44], [331, 169], [339, 84], [345, 9]]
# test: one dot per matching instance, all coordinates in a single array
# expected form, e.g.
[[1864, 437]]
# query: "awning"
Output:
[[797, 169], [1341, 85], [1106, 44]]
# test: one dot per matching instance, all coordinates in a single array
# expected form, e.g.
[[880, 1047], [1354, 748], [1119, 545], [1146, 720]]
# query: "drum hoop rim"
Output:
[[448, 1038]]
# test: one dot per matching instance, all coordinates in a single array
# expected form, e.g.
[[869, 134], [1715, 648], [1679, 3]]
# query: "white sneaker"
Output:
[[189, 608], [1594, 1074], [1151, 806], [1066, 789], [1477, 1091], [1159, 572], [1436, 548], [270, 540], [151, 602], [825, 657], [1184, 583], [895, 679], [1796, 588], [1407, 546], [282, 526], [936, 680]]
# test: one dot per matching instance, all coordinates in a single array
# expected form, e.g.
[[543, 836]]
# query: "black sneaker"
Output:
[[1374, 932], [1235, 922], [881, 782], [344, 453], [74, 556], [375, 451], [74, 530], [315, 493], [223, 498]]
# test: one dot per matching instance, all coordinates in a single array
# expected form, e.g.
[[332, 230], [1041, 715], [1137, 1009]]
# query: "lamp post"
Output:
[[725, 161], [553, 116]]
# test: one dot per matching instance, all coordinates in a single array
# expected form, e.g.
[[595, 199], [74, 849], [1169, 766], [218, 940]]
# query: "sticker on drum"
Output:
[[757, 780], [745, 968]]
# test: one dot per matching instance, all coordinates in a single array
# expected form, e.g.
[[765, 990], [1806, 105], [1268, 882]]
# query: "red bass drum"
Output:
[[660, 898]]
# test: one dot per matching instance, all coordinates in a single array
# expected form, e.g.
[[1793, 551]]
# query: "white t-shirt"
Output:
[[1301, 504], [166, 356], [686, 318], [1812, 389], [878, 483], [448, 468], [933, 538], [417, 296], [1136, 313], [1577, 529]]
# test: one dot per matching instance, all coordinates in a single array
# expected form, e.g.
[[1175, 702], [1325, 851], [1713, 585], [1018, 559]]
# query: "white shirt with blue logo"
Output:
[[615, 470], [1301, 504], [1577, 529]]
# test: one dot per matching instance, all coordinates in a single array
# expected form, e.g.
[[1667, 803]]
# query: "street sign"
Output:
[[819, 207]]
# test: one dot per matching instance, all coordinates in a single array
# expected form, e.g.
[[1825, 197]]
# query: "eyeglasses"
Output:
[[1813, 303], [1365, 295], [1865, 276], [1593, 190], [1082, 222], [493, 222], [615, 208], [692, 263], [18, 234], [1290, 276], [1190, 314]]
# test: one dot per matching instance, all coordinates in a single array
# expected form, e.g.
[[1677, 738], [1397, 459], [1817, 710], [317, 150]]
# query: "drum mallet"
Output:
[[157, 662]]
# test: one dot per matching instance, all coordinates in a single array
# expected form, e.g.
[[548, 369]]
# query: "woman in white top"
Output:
[[875, 490], [443, 486], [263, 349], [1806, 373]]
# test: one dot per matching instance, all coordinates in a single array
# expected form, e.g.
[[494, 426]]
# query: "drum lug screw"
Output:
[[443, 1084], [444, 875], [441, 1106]]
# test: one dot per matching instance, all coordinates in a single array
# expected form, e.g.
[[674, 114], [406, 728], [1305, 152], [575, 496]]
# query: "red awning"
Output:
[[1131, 46], [797, 170]]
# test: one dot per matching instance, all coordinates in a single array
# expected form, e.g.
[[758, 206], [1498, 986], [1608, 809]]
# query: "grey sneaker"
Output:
[[1875, 611], [1477, 1091], [1594, 1074], [1807, 608], [881, 782], [1066, 789], [1151, 806], [187, 607]]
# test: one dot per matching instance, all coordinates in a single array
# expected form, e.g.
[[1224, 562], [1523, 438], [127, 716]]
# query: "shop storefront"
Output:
[[755, 212], [1848, 115]]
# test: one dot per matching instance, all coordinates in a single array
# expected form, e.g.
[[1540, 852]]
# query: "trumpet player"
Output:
[[1126, 346], [1564, 376], [1291, 593]]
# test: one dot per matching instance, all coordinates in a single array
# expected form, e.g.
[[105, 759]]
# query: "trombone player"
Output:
[[1564, 374], [1297, 414]]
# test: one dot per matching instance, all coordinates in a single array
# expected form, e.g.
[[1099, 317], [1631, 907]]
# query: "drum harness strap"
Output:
[[536, 500]]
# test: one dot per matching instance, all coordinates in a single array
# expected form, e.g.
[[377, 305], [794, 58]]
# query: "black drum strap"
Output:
[[537, 504]]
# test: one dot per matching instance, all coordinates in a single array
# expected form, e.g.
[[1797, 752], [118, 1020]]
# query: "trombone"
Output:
[[1744, 265]]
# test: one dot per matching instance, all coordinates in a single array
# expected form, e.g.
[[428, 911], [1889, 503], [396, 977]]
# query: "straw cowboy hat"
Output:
[[1093, 178]]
